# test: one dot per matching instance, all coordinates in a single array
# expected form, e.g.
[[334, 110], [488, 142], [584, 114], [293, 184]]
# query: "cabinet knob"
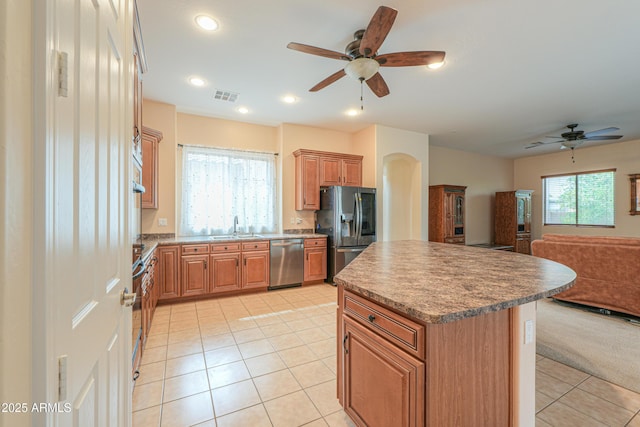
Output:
[[225, 248], [372, 318], [195, 249]]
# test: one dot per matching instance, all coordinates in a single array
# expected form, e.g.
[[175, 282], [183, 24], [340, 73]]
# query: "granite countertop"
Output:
[[152, 243], [439, 282]]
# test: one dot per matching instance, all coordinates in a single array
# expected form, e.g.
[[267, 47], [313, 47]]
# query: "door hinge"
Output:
[[63, 74], [62, 378]]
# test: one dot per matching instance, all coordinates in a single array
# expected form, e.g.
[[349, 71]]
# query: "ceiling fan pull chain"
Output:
[[361, 96]]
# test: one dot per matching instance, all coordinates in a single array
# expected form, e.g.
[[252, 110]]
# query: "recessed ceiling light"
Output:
[[289, 99], [206, 22], [352, 112], [196, 81], [436, 65], [243, 110]]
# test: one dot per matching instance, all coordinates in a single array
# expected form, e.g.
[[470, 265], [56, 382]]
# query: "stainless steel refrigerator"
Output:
[[347, 216]]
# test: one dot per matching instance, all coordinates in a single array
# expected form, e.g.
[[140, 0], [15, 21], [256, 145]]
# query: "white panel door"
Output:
[[88, 256]]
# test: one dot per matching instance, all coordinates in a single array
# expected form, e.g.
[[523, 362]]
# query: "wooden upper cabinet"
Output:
[[150, 140], [341, 171], [307, 182], [315, 169]]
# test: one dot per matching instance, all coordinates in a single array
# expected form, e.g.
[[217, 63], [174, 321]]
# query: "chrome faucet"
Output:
[[235, 225]]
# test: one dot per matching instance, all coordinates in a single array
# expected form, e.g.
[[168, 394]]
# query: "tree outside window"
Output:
[[581, 199]]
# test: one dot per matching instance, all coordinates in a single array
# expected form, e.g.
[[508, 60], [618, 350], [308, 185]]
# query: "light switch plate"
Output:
[[528, 331]]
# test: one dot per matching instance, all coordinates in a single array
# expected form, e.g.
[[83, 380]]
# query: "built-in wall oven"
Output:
[[138, 267]]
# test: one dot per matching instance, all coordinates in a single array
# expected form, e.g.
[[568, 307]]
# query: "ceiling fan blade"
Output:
[[600, 132], [377, 84], [326, 82], [377, 30], [318, 51], [407, 59], [602, 138], [539, 143]]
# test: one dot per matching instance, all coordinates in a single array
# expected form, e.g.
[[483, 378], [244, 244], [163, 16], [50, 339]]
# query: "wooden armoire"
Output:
[[446, 213], [513, 220]]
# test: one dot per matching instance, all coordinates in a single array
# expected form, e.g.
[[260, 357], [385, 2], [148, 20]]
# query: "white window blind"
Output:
[[581, 199], [218, 184]]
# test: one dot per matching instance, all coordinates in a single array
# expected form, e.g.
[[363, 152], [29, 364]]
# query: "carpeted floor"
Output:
[[607, 347]]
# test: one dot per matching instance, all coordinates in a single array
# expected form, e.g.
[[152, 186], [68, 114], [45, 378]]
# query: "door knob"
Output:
[[127, 299]]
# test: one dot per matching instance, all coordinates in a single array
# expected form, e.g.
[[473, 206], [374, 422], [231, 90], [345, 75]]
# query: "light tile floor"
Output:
[[269, 359]]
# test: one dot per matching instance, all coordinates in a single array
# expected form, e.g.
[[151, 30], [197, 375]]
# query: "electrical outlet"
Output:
[[162, 222], [298, 220], [293, 220]]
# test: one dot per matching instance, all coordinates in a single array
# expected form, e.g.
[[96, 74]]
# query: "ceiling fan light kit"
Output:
[[362, 55], [362, 68]]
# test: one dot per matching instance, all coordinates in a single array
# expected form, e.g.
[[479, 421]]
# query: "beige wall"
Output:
[[624, 156], [483, 176], [292, 138], [364, 142], [390, 145], [19, 324], [188, 129], [162, 117]]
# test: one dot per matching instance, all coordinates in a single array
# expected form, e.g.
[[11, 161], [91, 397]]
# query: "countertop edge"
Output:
[[449, 317]]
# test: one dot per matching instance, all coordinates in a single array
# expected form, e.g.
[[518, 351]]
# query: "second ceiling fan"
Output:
[[362, 54]]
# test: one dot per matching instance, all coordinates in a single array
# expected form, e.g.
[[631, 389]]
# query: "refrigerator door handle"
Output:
[[359, 220], [343, 250]]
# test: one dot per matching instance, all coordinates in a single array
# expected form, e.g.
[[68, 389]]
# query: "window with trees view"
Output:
[[580, 199]]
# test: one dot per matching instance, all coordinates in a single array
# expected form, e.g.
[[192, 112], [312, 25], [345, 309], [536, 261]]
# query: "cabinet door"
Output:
[[225, 272], [255, 269], [149, 171], [195, 279], [315, 264], [352, 172], [307, 183], [394, 395], [168, 272], [330, 171], [523, 244]]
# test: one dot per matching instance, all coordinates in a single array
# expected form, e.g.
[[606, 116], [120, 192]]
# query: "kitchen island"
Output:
[[441, 335]]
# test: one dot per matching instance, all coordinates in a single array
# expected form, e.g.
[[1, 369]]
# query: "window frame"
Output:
[[575, 175], [236, 154]]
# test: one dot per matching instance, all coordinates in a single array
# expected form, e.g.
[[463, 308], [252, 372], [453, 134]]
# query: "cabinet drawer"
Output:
[[255, 246], [454, 240], [195, 249], [225, 247], [401, 331], [315, 243]]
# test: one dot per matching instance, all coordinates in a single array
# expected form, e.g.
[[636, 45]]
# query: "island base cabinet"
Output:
[[383, 385]]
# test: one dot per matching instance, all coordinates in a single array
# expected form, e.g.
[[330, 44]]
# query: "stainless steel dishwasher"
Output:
[[287, 263]]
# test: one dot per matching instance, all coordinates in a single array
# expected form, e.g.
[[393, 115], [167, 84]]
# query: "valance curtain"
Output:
[[218, 184]]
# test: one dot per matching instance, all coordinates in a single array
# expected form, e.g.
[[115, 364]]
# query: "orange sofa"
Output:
[[608, 269]]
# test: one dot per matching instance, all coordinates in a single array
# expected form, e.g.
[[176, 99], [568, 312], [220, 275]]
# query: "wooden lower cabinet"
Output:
[[224, 272], [168, 271], [396, 371], [255, 269], [384, 386], [523, 244], [195, 277], [315, 264]]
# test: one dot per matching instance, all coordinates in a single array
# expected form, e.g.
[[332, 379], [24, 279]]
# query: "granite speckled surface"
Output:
[[153, 242], [439, 282]]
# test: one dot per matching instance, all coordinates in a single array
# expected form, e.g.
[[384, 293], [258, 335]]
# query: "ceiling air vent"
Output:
[[225, 95]]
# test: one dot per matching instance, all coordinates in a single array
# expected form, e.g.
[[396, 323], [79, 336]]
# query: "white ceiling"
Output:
[[515, 70]]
